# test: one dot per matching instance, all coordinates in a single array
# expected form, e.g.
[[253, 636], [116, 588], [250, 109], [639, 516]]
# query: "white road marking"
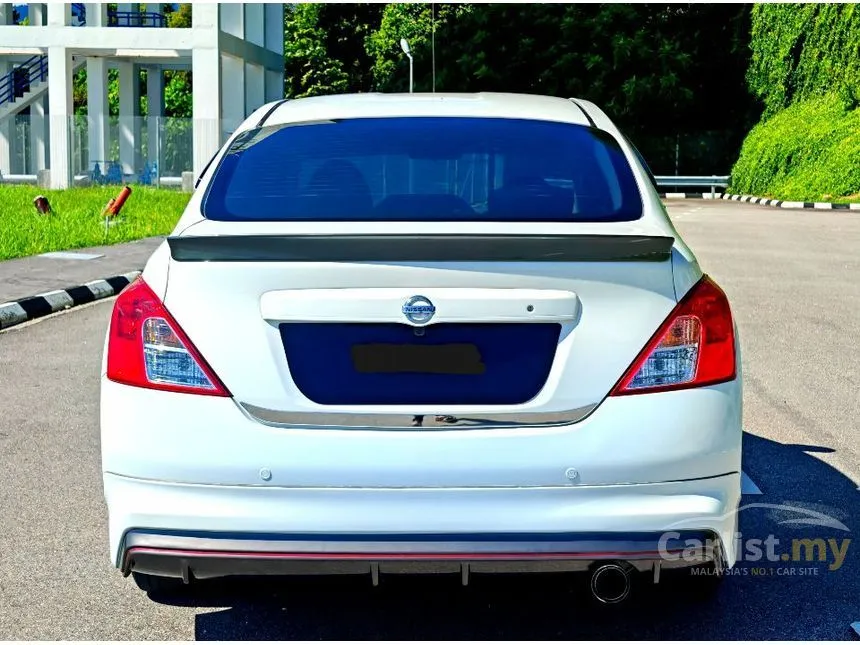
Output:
[[72, 255], [748, 486]]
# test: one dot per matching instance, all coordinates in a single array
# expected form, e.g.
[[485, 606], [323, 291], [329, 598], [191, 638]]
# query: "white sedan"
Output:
[[431, 332]]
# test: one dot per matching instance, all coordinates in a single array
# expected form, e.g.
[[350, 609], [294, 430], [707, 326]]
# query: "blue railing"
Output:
[[136, 19], [14, 84]]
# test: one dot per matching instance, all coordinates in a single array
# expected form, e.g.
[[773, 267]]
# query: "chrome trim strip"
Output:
[[376, 421]]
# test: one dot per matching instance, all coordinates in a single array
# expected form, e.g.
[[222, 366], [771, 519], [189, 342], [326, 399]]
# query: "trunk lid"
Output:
[[311, 328]]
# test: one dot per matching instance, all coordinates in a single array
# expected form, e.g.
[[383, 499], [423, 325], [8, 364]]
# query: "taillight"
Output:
[[147, 348], [695, 346]]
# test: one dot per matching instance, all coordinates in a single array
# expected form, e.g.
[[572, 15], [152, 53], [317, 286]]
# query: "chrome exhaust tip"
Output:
[[611, 582]]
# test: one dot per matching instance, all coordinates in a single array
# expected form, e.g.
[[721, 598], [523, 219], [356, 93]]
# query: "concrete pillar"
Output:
[[97, 111], [38, 135], [59, 108], [59, 14], [6, 129], [129, 117], [154, 111], [96, 14], [38, 14], [206, 75], [255, 87], [188, 181]]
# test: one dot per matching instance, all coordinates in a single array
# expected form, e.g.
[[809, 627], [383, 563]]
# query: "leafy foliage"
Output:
[[805, 67], [346, 28], [415, 23], [658, 70], [800, 51], [309, 69], [809, 151], [180, 18], [177, 94], [324, 47]]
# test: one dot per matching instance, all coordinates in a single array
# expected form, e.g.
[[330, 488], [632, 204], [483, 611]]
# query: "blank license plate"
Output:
[[389, 358]]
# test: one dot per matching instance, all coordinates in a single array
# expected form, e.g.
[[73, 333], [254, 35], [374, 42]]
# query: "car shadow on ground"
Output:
[[756, 602]]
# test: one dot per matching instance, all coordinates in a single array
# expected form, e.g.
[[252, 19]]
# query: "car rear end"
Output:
[[430, 333]]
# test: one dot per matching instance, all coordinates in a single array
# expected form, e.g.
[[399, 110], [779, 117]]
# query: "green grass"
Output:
[[810, 151], [76, 221]]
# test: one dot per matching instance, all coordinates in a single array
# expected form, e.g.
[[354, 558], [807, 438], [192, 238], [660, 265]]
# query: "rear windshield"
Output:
[[424, 169]]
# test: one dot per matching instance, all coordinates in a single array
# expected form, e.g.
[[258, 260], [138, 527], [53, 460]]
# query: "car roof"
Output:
[[484, 104]]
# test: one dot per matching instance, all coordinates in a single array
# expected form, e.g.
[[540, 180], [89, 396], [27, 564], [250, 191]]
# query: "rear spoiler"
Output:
[[420, 248]]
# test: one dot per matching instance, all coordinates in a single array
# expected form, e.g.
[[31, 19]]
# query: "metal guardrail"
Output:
[[694, 181]]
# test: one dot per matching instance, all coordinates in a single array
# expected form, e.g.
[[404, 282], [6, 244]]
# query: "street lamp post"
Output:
[[404, 45]]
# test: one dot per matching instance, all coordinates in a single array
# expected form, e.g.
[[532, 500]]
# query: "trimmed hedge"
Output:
[[809, 151]]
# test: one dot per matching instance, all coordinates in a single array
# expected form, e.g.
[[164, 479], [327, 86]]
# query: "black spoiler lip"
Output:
[[421, 248]]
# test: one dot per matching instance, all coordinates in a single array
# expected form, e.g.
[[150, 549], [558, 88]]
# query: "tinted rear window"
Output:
[[433, 168]]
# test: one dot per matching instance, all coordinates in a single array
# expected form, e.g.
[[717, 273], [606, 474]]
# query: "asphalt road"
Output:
[[791, 277]]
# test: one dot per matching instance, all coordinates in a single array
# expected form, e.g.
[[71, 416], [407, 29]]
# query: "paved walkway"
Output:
[[38, 274]]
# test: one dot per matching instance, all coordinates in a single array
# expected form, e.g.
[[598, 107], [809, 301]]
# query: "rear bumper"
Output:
[[168, 529], [660, 437]]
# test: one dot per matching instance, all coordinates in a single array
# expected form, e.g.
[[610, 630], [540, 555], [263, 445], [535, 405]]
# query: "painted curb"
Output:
[[778, 203], [20, 311]]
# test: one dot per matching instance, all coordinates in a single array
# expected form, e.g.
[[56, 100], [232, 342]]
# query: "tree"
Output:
[[180, 18], [324, 47], [658, 70], [415, 23], [308, 68], [346, 26]]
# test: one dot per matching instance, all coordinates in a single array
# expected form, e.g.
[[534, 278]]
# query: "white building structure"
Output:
[[234, 52]]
